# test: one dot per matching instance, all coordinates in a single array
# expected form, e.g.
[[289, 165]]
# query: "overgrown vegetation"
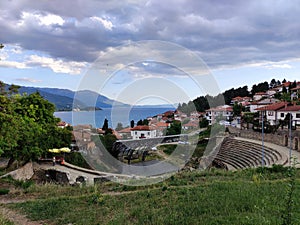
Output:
[[208, 197], [28, 127]]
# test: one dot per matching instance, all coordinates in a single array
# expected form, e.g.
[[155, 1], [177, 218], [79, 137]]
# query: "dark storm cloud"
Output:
[[221, 32]]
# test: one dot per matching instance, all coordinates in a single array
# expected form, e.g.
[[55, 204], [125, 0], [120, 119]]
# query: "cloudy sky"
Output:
[[56, 43]]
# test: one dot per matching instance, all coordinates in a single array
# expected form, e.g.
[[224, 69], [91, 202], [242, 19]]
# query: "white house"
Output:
[[224, 112], [263, 103], [259, 95], [294, 110], [139, 132], [271, 112]]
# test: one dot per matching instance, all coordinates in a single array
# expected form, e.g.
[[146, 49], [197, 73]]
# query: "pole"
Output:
[[291, 141], [262, 140]]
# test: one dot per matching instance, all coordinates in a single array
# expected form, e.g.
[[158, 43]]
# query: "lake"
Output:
[[114, 116]]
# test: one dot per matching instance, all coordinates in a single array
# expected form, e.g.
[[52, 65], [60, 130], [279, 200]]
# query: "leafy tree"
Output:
[[28, 127], [283, 81], [175, 128], [140, 123], [237, 109], [273, 83], [203, 123]]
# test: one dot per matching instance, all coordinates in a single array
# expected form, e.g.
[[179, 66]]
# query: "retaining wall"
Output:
[[281, 137]]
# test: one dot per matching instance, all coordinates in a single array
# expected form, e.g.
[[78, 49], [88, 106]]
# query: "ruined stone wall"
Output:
[[281, 137]]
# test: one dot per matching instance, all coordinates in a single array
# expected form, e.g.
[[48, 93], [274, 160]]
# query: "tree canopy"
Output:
[[28, 126]]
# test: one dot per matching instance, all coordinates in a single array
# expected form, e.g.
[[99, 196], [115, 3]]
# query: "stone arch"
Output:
[[285, 140], [296, 143]]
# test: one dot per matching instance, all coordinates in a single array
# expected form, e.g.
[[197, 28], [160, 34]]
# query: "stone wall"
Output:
[[281, 137]]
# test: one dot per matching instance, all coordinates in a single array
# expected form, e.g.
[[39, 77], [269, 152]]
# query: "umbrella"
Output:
[[54, 150], [65, 149]]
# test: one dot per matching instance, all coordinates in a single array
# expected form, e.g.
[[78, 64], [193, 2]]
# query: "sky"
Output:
[[149, 52]]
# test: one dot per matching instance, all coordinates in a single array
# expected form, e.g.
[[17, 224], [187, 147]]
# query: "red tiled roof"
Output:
[[292, 108], [137, 128], [260, 93], [273, 107], [161, 124], [221, 109], [125, 130]]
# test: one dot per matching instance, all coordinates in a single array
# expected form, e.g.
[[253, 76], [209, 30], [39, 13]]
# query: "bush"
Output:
[[4, 191]]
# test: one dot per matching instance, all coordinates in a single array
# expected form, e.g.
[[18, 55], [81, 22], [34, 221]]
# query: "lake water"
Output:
[[115, 115]]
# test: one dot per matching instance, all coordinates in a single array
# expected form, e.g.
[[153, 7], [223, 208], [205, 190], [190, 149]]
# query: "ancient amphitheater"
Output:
[[241, 153]]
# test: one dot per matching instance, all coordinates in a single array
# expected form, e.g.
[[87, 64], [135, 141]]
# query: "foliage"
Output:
[[175, 128], [77, 159], [203, 123], [28, 126], [237, 109], [4, 191], [119, 127], [261, 87], [217, 197], [105, 124]]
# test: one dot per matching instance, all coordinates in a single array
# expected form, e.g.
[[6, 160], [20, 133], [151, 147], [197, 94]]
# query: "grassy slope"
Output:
[[188, 198]]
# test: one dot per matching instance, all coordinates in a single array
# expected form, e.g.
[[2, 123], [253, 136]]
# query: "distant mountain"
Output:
[[64, 98]]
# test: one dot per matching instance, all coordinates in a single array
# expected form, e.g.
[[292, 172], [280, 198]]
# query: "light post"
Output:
[[262, 139], [291, 141]]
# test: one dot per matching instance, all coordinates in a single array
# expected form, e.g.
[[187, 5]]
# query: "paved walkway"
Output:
[[284, 151]]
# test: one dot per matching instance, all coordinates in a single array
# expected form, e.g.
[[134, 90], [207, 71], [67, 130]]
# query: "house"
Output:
[[242, 100], [125, 133], [263, 103], [271, 112], [62, 124], [139, 132], [259, 95], [224, 112], [190, 125], [160, 128], [292, 109]]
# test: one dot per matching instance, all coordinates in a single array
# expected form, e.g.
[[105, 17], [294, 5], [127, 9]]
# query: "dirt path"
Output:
[[17, 218]]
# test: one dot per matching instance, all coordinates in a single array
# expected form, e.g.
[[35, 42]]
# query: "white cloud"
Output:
[[13, 64], [57, 66], [106, 23], [29, 80], [278, 66], [40, 19]]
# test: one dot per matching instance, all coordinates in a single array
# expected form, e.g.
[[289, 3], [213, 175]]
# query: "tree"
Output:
[[272, 83], [237, 109], [105, 125], [28, 127], [140, 123], [283, 81], [132, 123], [175, 128], [119, 126], [203, 123]]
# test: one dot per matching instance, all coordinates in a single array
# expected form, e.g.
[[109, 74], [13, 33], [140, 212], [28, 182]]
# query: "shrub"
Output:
[[4, 191]]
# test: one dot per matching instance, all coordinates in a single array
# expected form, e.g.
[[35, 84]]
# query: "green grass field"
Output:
[[209, 197]]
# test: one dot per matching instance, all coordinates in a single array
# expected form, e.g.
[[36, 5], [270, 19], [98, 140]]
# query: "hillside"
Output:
[[63, 99]]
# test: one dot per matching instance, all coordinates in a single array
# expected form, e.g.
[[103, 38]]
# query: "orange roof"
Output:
[[139, 128], [260, 93], [292, 108], [221, 109], [273, 107], [125, 130], [161, 124]]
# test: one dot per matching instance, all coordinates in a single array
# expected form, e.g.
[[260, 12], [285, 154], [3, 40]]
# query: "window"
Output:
[[298, 115], [148, 133], [270, 113], [281, 114]]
